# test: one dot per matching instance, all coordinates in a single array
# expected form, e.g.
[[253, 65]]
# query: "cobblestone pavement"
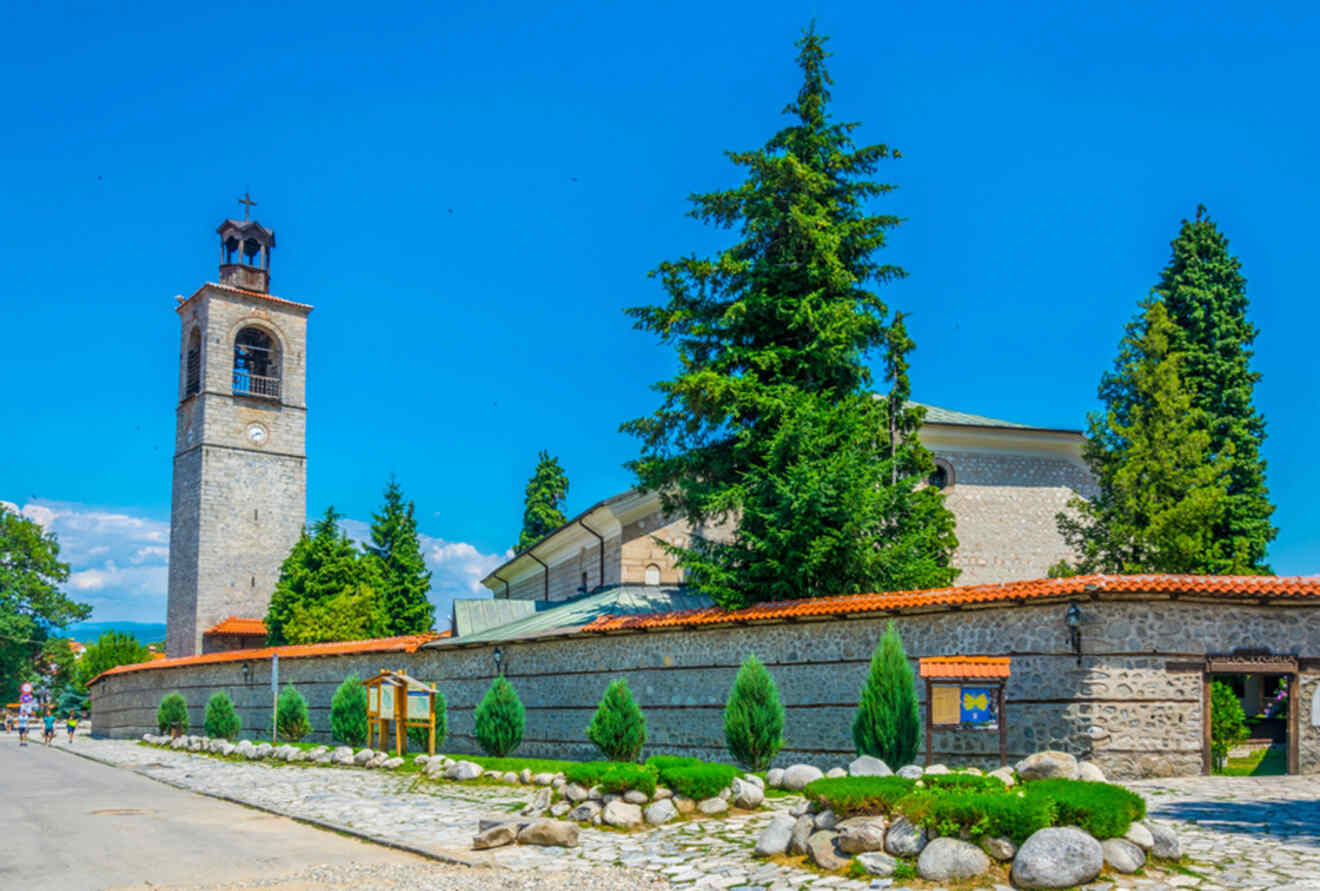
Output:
[[1251, 833]]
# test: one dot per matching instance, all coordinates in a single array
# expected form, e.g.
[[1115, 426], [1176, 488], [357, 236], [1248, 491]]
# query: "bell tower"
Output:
[[240, 481]]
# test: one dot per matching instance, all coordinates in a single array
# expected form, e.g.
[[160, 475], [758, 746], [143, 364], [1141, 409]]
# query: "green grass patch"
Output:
[[1272, 761], [613, 776], [692, 778]]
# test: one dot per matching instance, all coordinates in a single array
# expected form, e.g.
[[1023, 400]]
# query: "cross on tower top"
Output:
[[247, 203]]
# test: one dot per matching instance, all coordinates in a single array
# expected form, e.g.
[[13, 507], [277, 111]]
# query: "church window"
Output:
[[193, 377], [256, 363], [942, 476], [653, 574]]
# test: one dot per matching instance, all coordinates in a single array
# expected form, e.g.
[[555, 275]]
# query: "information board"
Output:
[[945, 704]]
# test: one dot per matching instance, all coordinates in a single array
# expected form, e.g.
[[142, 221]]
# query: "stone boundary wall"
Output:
[[1133, 705]]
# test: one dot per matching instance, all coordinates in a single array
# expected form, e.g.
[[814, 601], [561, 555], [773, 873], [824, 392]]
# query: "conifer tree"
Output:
[[888, 723], [618, 728], [1162, 494], [770, 421], [406, 581], [753, 717], [543, 501], [348, 712], [499, 719]]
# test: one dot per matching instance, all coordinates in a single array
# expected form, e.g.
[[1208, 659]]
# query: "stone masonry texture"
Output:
[[1133, 705]]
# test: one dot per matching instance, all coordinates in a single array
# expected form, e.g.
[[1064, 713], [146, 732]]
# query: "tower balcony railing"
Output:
[[256, 385]]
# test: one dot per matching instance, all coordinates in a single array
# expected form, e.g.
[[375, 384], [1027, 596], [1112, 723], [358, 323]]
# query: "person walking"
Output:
[[72, 725], [22, 728], [48, 727]]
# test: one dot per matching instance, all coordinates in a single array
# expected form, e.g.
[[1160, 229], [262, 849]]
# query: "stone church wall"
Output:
[[1133, 705]]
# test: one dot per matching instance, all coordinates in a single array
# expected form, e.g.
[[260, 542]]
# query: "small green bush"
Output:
[[221, 721], [348, 712], [888, 723], [499, 719], [753, 717], [661, 762], [1102, 809], [173, 712], [698, 781], [964, 782], [618, 728], [953, 811], [613, 776], [418, 736], [859, 796], [1227, 723], [291, 715]]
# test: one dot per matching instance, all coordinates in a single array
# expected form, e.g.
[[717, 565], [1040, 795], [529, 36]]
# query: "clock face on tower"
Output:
[[256, 434]]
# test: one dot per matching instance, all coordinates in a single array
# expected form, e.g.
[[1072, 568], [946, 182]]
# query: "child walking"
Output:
[[72, 725]]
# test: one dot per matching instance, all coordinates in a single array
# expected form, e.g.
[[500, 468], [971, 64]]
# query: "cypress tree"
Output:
[[771, 420], [221, 721], [406, 581], [499, 719], [753, 717], [888, 722], [543, 501], [348, 712], [618, 728]]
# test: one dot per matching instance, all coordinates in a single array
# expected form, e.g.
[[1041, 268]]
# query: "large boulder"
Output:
[[1087, 770], [1140, 836], [575, 792], [936, 770], [550, 833], [747, 795], [822, 851], [951, 860], [462, 770], [775, 777], [1165, 843], [543, 779], [363, 756], [685, 805], [496, 837], [1004, 775], [712, 806], [635, 796], [342, 755], [877, 863], [868, 766], [1122, 854], [911, 771], [1058, 857], [1047, 765], [802, 829], [244, 748], [775, 837], [836, 773], [659, 812], [858, 835], [797, 776], [904, 839], [621, 814], [378, 760], [826, 819], [263, 750], [226, 748], [509, 777]]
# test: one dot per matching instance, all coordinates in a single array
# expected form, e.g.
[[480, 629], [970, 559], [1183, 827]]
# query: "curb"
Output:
[[309, 821]]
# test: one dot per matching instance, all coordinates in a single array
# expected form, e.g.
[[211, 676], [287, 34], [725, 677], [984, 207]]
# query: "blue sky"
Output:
[[470, 197]]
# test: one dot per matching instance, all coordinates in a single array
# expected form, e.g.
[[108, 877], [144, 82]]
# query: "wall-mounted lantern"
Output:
[[498, 656], [247, 672], [1074, 620]]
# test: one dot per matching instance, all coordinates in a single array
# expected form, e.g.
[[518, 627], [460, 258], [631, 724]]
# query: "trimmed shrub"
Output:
[[1102, 809], [417, 736], [172, 713], [859, 796], [291, 715], [660, 762], [618, 728], [699, 781], [888, 723], [964, 782], [221, 721], [955, 811], [499, 719], [348, 712], [613, 776], [753, 717], [1227, 723]]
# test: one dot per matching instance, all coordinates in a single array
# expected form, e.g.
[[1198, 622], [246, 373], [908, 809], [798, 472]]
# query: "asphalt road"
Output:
[[67, 823]]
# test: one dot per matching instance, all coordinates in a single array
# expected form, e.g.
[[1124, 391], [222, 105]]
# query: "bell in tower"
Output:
[[245, 247]]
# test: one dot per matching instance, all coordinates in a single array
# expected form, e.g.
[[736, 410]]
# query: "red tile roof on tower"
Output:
[[965, 666], [238, 625], [1239, 587]]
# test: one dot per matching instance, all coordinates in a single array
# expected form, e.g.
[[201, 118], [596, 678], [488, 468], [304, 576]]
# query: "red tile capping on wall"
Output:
[[964, 666]]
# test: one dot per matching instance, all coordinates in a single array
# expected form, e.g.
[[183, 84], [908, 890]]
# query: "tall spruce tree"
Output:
[[770, 420], [543, 501], [398, 554], [1162, 493], [321, 565]]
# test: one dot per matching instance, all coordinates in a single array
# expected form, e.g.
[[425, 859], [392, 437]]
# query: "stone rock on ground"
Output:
[[951, 860], [421, 760], [363, 756], [860, 835], [1004, 774], [1058, 857], [378, 760], [802, 829], [634, 796], [540, 801], [585, 812], [775, 837], [754, 780], [662, 792], [1166, 844], [621, 814], [1087, 770], [868, 766], [684, 805], [496, 837], [393, 763], [877, 863], [499, 820], [747, 795], [1122, 854], [463, 770], [509, 777], [712, 806], [999, 848], [659, 812], [911, 771], [178, 743], [575, 792], [543, 779], [1140, 836], [822, 851], [550, 833], [560, 809], [493, 774], [904, 839], [435, 768], [227, 749], [263, 750], [825, 819], [525, 776], [936, 770], [799, 775], [775, 777], [1047, 765], [835, 773]]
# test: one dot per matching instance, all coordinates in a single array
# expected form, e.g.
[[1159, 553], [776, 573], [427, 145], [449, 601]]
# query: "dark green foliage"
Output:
[[543, 501], [221, 720], [173, 713], [112, 648], [771, 420], [1102, 809], [618, 728], [291, 720], [613, 776], [348, 712], [70, 700], [964, 782], [954, 811], [859, 796], [753, 717], [31, 603], [662, 762], [1228, 725], [499, 719], [320, 567], [698, 781], [405, 580], [888, 722], [418, 737]]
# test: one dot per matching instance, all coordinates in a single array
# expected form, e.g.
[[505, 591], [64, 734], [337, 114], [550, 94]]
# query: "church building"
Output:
[[240, 456]]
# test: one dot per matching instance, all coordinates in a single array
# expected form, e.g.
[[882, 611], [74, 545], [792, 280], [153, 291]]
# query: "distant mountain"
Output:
[[145, 632]]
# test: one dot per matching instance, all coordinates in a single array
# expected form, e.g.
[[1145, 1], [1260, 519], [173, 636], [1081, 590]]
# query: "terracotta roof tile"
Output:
[[965, 666], [407, 643], [258, 294], [1241, 587], [238, 625]]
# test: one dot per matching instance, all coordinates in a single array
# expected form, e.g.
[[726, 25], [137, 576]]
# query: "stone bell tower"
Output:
[[240, 479]]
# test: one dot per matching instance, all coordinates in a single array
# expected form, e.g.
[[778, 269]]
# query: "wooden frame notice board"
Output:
[[966, 694]]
